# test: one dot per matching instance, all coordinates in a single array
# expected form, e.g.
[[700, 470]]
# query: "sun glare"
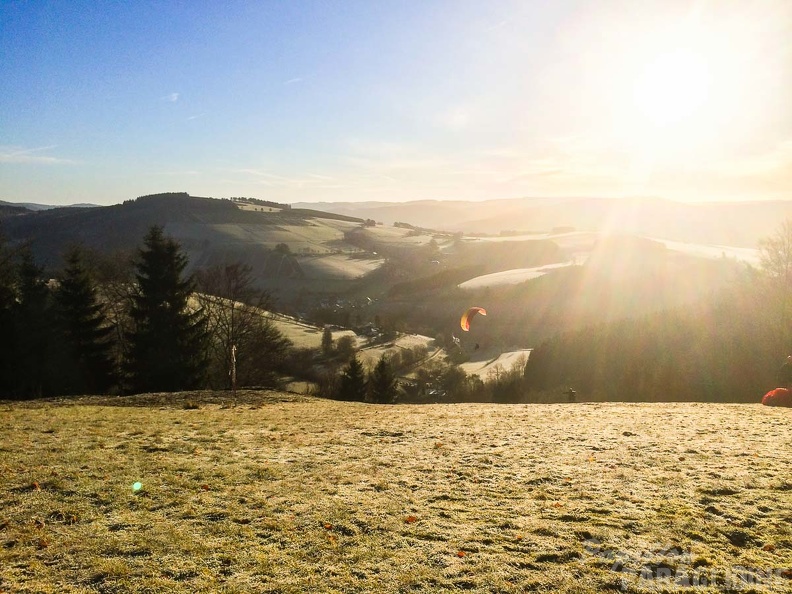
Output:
[[678, 94], [672, 87]]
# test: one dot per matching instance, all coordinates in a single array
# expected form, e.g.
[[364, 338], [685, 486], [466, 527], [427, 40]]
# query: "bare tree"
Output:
[[775, 254], [237, 313], [115, 277]]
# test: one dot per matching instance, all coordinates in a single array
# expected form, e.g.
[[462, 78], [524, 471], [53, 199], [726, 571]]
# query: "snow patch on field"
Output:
[[511, 277], [370, 355], [747, 255], [504, 360]]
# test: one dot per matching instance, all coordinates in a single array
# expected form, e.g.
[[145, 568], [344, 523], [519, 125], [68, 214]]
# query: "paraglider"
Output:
[[781, 396], [778, 397], [468, 315]]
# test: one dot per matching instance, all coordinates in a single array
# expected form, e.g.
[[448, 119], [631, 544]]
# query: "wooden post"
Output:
[[233, 371]]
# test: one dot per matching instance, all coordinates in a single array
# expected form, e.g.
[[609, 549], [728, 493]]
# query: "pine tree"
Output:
[[8, 350], [32, 331], [167, 350], [353, 382], [86, 365], [382, 383]]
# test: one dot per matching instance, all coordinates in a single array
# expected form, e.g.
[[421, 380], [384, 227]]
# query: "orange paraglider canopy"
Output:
[[468, 315], [778, 397]]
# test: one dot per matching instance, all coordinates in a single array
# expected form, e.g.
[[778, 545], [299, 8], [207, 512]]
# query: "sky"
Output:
[[395, 100]]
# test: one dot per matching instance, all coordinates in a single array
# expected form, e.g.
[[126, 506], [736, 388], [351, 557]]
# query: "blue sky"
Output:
[[395, 100]]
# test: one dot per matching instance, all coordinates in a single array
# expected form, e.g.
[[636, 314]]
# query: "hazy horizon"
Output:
[[416, 200], [353, 101]]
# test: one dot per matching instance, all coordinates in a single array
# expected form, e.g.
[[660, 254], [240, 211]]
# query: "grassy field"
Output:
[[284, 493]]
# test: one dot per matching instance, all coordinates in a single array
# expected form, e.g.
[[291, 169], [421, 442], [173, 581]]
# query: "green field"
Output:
[[283, 493]]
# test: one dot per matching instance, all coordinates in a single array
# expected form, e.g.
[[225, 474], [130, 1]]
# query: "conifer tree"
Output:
[[86, 365], [32, 330], [167, 346], [382, 383], [8, 276], [353, 382]]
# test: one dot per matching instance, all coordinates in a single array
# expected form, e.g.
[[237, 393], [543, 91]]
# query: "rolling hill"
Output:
[[738, 224], [211, 232], [341, 269]]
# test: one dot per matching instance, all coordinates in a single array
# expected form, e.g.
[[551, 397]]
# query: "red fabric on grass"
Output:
[[778, 397]]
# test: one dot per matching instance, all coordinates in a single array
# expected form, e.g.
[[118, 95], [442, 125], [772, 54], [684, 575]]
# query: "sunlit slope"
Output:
[[211, 232], [621, 277], [577, 247], [738, 224]]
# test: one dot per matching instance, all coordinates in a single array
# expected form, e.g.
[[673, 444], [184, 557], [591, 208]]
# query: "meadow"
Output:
[[278, 492]]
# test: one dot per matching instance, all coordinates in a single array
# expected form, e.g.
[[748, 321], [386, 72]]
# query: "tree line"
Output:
[[139, 324], [726, 348], [130, 326]]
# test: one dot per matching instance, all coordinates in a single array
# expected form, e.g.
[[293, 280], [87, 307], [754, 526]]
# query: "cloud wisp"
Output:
[[31, 156]]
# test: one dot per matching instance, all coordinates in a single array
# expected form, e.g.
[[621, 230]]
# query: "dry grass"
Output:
[[290, 494], [338, 267]]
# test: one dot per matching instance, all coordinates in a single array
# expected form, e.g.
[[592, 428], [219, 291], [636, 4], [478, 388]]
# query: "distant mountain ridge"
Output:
[[36, 206], [8, 209], [738, 224]]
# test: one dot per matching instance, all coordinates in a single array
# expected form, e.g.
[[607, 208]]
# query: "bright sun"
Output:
[[675, 96], [671, 88]]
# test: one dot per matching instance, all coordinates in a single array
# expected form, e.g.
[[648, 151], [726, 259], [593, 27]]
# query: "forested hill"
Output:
[[8, 209], [120, 227]]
